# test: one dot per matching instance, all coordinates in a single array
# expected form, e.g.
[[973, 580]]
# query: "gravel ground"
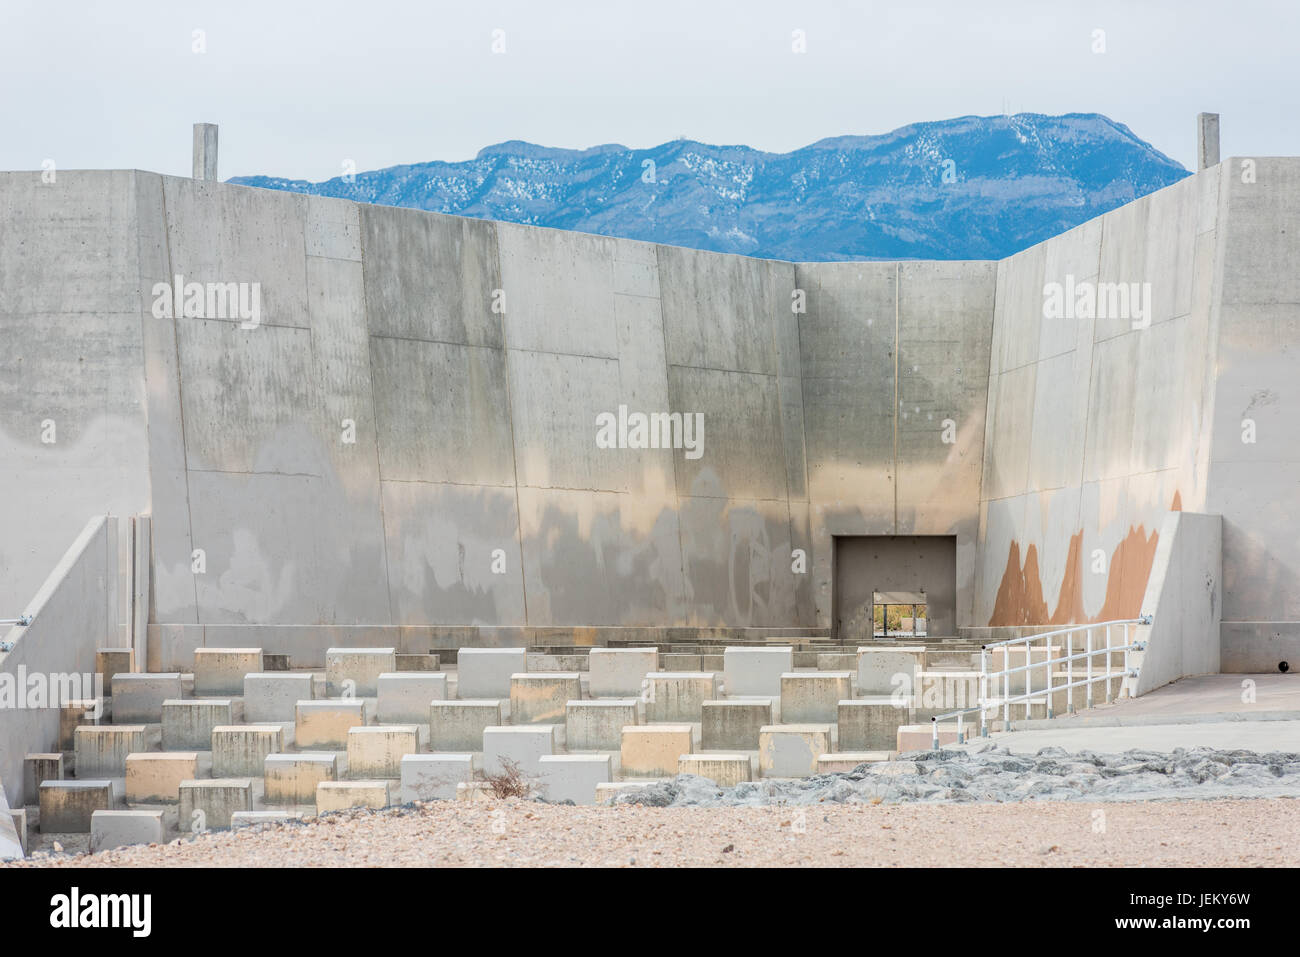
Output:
[[516, 833]]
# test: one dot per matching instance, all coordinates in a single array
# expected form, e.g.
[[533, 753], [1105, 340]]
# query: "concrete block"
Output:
[[811, 697], [541, 697], [138, 698], [344, 795], [39, 768], [271, 695], [154, 777], [938, 692], [20, 827], [892, 671], [209, 803], [187, 724], [433, 777], [755, 671], [110, 829], [325, 723], [606, 792], [240, 750], [842, 762], [66, 806], [257, 818], [792, 750], [524, 746], [292, 778], [548, 662], [458, 725], [112, 661], [871, 724], [724, 770], [418, 662], [474, 791], [486, 672], [222, 670], [405, 696], [101, 751], [355, 672], [837, 661], [572, 777], [377, 751], [597, 725], [680, 662], [729, 725], [654, 750], [917, 737], [619, 672], [678, 696], [74, 714]]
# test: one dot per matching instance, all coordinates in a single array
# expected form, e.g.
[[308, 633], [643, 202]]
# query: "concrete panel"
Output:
[[559, 291], [441, 412], [430, 277], [441, 545]]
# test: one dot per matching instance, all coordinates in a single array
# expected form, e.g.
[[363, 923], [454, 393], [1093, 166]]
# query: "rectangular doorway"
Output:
[[894, 587]]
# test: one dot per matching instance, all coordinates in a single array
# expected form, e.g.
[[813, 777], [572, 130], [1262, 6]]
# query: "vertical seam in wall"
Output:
[[374, 412], [897, 272], [981, 521], [510, 417], [1087, 408], [685, 618], [180, 410]]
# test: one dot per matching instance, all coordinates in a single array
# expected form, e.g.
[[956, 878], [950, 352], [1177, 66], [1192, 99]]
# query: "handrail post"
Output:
[[984, 691], [1069, 673], [1089, 669], [1029, 677], [934, 733], [1127, 643], [1108, 664]]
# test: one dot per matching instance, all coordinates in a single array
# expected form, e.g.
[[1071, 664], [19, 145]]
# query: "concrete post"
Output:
[[205, 151], [1207, 140]]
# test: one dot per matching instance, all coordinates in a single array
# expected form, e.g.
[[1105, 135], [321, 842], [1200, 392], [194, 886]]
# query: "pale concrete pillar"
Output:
[[1207, 140], [205, 151]]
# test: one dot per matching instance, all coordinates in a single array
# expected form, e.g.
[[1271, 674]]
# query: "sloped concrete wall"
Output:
[[1255, 459], [73, 429], [1184, 596], [53, 659], [1098, 425]]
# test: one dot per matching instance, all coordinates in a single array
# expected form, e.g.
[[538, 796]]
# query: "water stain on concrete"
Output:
[[1020, 598]]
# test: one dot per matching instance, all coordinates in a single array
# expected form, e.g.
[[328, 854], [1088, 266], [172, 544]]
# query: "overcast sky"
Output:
[[299, 88]]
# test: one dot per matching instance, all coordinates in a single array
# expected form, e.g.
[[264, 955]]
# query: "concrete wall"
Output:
[[403, 450], [1097, 429], [73, 613], [73, 429], [1254, 465], [895, 375], [1184, 596]]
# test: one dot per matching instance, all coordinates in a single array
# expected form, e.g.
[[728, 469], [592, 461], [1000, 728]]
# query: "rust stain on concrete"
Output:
[[1020, 594], [1177, 504]]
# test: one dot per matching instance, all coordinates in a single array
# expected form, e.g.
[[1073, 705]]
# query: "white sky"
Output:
[[298, 88]]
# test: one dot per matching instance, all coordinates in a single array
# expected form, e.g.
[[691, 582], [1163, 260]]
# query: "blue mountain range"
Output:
[[975, 187]]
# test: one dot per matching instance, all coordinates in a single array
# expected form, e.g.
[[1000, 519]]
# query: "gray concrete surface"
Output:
[[401, 451]]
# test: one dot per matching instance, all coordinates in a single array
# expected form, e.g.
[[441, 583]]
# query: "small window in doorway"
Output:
[[898, 615]]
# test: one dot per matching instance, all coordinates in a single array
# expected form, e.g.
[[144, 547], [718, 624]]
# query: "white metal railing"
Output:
[[1005, 699]]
